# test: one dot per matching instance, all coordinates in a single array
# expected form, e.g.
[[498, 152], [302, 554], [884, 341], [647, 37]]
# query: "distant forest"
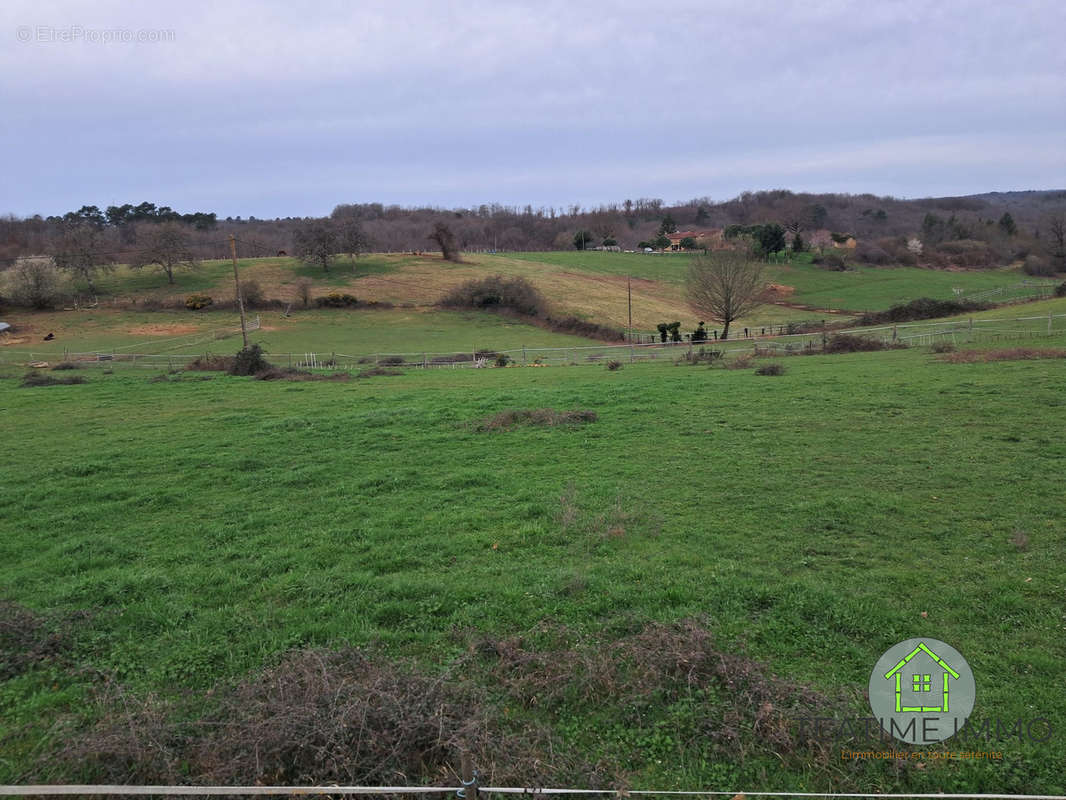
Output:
[[974, 231]]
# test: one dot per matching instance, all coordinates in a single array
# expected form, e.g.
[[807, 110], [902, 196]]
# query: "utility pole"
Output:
[[629, 292], [237, 285]]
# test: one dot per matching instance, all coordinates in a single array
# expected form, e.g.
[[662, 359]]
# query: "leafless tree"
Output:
[[445, 240], [352, 239], [80, 249], [315, 241], [724, 286], [1056, 226], [166, 246]]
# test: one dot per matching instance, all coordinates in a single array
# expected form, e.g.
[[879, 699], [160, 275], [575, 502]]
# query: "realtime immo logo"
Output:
[[922, 691]]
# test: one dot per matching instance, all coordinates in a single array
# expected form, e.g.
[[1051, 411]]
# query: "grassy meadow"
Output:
[[203, 526]]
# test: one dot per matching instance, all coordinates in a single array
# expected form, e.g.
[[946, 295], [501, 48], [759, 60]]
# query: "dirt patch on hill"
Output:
[[163, 330], [778, 291]]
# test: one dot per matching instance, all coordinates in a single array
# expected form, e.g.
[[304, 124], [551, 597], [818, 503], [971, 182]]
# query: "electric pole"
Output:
[[237, 285], [629, 292]]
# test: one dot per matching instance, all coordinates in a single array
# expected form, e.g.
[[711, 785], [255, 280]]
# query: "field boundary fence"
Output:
[[957, 331]]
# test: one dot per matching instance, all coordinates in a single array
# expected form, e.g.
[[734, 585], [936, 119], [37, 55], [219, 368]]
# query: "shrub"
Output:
[[870, 253], [252, 294], [582, 327], [336, 300], [1060, 290], [835, 262], [375, 372], [1037, 266], [302, 291], [613, 365], [502, 360], [943, 347], [742, 361], [967, 253], [391, 361], [36, 378], [211, 363], [770, 369], [701, 356], [196, 302], [65, 365], [849, 343], [546, 417], [248, 361], [497, 293], [922, 308], [34, 282]]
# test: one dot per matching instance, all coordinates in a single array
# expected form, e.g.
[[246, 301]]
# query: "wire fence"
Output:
[[957, 331]]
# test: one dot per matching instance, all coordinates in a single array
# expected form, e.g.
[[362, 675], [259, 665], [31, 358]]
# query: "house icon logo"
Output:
[[922, 691]]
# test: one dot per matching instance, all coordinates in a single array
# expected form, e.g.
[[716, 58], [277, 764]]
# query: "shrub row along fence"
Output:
[[915, 333]]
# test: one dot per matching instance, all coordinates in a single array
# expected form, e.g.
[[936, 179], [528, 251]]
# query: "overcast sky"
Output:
[[285, 109]]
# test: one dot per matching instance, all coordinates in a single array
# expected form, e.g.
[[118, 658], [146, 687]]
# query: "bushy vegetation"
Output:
[[249, 361], [497, 293], [38, 378], [923, 308]]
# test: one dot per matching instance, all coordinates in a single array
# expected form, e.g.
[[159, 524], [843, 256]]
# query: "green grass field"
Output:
[[811, 520]]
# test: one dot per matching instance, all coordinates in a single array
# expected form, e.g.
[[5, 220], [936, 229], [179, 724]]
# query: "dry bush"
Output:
[[770, 369], [211, 363], [850, 343], [293, 374], [1005, 354], [582, 327], [659, 665], [35, 378], [1020, 540], [546, 417], [318, 717], [497, 293], [28, 639], [613, 365], [66, 365], [375, 372], [922, 308], [943, 347], [743, 361]]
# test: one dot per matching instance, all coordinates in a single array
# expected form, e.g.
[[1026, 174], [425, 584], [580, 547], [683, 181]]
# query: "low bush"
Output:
[[613, 365], [582, 327], [1004, 354], [967, 253], [336, 300], [35, 283], [770, 369], [293, 374], [65, 365], [544, 417], [922, 308], [248, 361], [211, 363], [391, 361], [497, 293], [35, 378], [831, 260], [375, 372], [850, 343], [1060, 290], [701, 356], [1038, 267], [196, 302], [943, 347], [502, 360]]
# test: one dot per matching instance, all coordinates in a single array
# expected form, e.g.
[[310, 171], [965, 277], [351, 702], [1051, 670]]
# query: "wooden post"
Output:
[[237, 285], [469, 781], [523, 355]]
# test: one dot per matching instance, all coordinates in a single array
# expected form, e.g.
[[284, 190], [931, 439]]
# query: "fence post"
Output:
[[523, 355], [469, 777]]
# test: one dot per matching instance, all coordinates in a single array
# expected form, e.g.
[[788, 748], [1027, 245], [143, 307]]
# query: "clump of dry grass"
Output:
[[293, 374], [543, 417], [28, 638], [35, 378], [1004, 354], [375, 372]]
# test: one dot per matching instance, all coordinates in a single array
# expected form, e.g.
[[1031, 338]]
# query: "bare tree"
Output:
[[80, 250], [167, 247], [353, 240], [724, 286], [445, 240], [315, 241], [1056, 225]]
